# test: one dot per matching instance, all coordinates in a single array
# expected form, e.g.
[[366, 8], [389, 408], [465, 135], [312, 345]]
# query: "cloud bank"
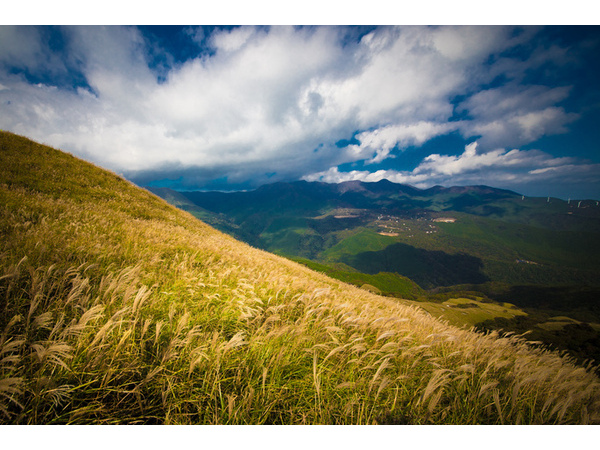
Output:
[[513, 169], [260, 104]]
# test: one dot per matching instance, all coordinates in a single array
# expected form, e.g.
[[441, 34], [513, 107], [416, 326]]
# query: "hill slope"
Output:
[[118, 308]]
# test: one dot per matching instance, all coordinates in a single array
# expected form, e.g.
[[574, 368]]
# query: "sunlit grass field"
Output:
[[117, 308], [461, 311]]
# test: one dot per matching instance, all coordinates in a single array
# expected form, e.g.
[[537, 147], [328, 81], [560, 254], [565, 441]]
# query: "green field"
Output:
[[389, 284], [470, 312]]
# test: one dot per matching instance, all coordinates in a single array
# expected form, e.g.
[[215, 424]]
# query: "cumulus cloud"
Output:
[[378, 143], [460, 43], [497, 160], [512, 116], [501, 168], [275, 100], [399, 76]]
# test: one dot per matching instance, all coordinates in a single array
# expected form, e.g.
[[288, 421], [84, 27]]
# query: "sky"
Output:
[[235, 107]]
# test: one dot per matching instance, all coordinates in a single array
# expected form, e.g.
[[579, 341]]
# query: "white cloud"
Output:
[[232, 40], [460, 43], [274, 100], [333, 175], [378, 143], [501, 168], [400, 76], [512, 116], [485, 162]]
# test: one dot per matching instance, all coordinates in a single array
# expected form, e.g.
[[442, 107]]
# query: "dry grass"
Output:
[[117, 308]]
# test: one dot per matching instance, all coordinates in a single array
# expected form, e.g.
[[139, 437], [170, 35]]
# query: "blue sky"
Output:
[[188, 107]]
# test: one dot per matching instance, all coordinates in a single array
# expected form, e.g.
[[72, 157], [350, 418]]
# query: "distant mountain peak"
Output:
[[351, 186]]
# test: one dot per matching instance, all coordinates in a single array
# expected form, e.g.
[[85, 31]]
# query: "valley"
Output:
[[392, 236]]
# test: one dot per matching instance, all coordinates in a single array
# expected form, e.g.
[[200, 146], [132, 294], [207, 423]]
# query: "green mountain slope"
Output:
[[119, 308]]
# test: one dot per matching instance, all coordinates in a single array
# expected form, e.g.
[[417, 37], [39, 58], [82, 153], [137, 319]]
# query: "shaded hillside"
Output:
[[118, 308], [427, 268]]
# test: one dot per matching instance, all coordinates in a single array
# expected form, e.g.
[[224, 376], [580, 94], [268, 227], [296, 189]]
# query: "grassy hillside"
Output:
[[118, 308]]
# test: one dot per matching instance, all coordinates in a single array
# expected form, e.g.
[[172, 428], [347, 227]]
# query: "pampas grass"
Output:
[[118, 308]]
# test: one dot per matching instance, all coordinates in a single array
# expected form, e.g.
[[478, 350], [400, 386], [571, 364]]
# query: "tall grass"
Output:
[[118, 308]]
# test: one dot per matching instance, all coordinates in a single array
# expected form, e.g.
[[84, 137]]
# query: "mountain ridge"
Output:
[[399, 196]]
